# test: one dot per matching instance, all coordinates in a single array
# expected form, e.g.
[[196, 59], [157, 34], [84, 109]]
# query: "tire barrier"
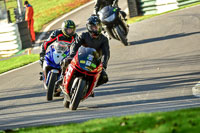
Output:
[[167, 5], [24, 34], [10, 42], [186, 2], [13, 38], [148, 7], [132, 6]]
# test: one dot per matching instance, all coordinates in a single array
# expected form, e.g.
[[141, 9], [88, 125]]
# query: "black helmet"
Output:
[[68, 28], [94, 26]]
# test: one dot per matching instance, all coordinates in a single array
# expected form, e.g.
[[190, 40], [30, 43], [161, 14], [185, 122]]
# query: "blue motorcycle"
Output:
[[58, 51]]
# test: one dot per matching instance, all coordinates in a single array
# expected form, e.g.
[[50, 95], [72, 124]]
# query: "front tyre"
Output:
[[121, 34], [77, 94], [50, 87]]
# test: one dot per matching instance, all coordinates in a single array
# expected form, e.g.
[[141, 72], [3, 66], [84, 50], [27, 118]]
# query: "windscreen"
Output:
[[89, 58], [105, 12], [61, 46]]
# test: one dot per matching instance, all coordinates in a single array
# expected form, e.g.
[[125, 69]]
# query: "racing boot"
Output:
[[41, 77], [59, 82], [103, 78], [56, 86], [92, 94]]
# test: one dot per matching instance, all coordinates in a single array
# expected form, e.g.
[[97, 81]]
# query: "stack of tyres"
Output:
[[24, 34]]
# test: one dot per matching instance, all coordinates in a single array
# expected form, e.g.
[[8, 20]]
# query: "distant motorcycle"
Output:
[[81, 77], [51, 67], [115, 24]]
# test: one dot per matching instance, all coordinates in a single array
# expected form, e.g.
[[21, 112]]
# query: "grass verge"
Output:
[[46, 10], [180, 121], [16, 62], [140, 18]]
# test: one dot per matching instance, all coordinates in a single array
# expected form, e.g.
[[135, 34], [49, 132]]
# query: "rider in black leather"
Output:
[[94, 39], [102, 3]]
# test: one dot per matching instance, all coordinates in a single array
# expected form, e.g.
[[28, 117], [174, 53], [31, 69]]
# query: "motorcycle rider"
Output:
[[99, 4], [67, 33], [94, 39]]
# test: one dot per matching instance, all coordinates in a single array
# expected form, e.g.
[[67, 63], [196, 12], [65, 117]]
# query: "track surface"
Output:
[[155, 73]]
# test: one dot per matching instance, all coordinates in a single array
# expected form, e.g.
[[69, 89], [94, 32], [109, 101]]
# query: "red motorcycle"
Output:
[[81, 77]]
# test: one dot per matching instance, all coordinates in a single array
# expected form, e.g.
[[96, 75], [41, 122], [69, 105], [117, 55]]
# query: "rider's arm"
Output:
[[75, 36], [105, 52], [116, 2], [97, 6], [51, 39], [74, 47]]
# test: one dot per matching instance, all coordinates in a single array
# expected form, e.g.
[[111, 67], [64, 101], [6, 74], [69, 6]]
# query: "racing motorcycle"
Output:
[[51, 67], [81, 77], [115, 24]]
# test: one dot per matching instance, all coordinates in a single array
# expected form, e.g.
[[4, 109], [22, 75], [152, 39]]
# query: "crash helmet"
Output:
[[94, 26], [68, 28]]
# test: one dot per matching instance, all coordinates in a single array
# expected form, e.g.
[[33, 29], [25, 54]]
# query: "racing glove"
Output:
[[42, 54]]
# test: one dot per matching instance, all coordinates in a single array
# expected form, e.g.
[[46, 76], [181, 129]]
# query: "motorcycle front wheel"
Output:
[[121, 35], [77, 93], [50, 87]]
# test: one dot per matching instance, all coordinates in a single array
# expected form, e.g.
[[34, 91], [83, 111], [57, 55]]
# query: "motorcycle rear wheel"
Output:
[[77, 94]]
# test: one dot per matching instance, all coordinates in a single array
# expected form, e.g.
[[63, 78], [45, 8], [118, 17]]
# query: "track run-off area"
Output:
[[155, 73]]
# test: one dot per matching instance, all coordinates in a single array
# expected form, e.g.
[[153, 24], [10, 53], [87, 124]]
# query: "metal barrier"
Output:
[[186, 2], [10, 42], [148, 7], [166, 5], [157, 6]]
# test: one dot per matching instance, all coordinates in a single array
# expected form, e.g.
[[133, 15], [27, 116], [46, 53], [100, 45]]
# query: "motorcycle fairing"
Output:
[[80, 67]]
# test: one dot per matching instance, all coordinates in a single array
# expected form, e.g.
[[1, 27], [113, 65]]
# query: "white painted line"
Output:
[[46, 29], [57, 20], [196, 90]]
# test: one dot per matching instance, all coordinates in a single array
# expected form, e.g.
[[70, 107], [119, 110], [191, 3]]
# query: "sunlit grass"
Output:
[[46, 10], [181, 121], [15, 62]]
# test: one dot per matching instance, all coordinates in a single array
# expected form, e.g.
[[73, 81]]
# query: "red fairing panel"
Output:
[[67, 78], [94, 82]]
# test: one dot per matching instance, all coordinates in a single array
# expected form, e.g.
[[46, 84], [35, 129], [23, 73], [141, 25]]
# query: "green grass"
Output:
[[140, 18], [180, 121], [46, 10], [15, 62]]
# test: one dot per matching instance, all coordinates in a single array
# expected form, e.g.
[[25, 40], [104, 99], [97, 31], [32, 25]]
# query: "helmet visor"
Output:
[[69, 31], [95, 28]]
